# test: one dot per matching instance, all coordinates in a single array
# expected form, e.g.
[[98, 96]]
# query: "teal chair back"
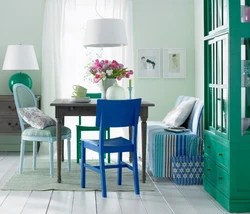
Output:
[[91, 96], [94, 95], [80, 128]]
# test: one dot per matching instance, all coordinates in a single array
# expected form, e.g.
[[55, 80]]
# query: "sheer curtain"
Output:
[[64, 57], [122, 9]]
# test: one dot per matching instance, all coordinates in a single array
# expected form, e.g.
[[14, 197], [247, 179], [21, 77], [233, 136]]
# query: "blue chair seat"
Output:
[[111, 145]]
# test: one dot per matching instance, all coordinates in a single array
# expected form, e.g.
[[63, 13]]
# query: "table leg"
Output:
[[143, 136], [59, 148], [62, 143]]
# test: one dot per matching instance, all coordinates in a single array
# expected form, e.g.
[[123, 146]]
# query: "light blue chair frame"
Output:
[[24, 97], [113, 113]]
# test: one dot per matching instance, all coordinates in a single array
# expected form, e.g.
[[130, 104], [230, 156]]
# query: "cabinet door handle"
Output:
[[220, 154], [209, 147], [220, 178], [12, 108], [13, 125], [208, 169]]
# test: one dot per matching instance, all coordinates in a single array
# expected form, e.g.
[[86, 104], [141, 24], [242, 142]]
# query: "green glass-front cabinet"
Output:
[[227, 102]]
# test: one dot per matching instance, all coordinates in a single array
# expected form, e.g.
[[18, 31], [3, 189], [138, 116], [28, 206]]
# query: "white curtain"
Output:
[[64, 57], [54, 67], [122, 9]]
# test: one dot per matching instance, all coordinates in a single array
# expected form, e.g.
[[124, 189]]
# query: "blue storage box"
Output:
[[188, 170]]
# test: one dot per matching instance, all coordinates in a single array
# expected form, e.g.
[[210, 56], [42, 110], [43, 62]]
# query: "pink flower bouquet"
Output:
[[105, 69]]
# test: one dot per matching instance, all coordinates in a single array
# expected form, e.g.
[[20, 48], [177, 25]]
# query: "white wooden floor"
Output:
[[168, 198]]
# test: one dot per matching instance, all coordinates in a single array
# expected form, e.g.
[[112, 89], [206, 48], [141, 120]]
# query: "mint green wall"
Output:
[[164, 24], [21, 23], [199, 48], [157, 24]]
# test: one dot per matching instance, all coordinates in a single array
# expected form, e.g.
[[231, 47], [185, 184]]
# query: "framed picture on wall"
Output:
[[149, 63], [174, 63]]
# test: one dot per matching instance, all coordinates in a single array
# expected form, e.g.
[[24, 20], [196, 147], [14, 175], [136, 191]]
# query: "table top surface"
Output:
[[93, 102]]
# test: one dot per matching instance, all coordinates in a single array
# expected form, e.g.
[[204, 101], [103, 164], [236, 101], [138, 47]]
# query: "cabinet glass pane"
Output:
[[219, 13], [224, 110], [245, 10], [225, 62], [218, 77], [245, 84], [225, 12]]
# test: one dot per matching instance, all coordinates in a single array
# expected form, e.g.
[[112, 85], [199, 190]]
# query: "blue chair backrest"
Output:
[[193, 121], [117, 113]]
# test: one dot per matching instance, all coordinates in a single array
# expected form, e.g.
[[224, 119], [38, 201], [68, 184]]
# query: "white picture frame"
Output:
[[174, 63], [149, 63]]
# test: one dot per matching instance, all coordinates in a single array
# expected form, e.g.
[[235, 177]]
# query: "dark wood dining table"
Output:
[[67, 107]]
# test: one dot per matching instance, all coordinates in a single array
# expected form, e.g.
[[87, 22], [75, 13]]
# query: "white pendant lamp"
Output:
[[105, 33]]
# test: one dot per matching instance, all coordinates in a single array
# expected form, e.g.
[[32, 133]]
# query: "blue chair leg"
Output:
[[102, 175], [136, 176], [21, 156], [83, 168], [34, 154], [119, 176], [109, 159]]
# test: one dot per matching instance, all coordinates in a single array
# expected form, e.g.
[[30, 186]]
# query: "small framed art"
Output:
[[174, 63], [149, 63]]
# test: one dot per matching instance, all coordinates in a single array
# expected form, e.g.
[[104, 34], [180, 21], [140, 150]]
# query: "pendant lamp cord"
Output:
[[97, 10]]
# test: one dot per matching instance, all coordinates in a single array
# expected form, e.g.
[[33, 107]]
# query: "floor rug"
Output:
[[39, 179]]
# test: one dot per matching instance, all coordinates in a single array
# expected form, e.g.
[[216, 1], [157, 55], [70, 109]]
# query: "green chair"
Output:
[[81, 128]]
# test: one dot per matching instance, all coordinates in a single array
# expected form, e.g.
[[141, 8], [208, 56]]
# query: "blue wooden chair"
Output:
[[113, 113], [83, 128], [24, 98]]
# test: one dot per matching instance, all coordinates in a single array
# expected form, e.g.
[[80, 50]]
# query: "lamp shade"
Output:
[[20, 57], [105, 33]]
